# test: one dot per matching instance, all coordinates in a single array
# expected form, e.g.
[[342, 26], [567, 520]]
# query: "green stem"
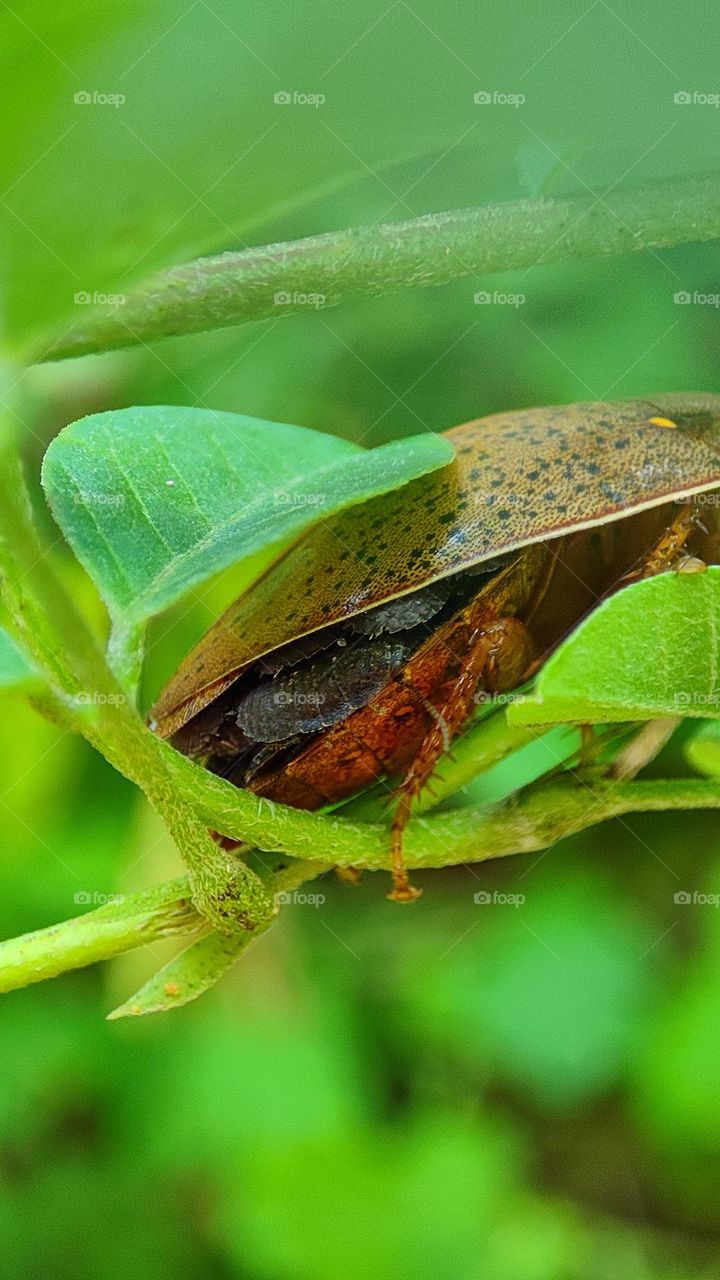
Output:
[[192, 972], [45, 620], [275, 280], [134, 921], [535, 820], [144, 917], [224, 888], [125, 655], [544, 813], [83, 694]]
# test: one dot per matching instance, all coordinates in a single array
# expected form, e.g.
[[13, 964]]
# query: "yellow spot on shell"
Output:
[[664, 422]]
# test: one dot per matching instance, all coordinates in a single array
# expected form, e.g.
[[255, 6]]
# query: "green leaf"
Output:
[[155, 500], [187, 976], [651, 650], [703, 749], [16, 671]]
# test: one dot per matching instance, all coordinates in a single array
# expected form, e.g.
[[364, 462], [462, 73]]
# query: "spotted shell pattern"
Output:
[[517, 478]]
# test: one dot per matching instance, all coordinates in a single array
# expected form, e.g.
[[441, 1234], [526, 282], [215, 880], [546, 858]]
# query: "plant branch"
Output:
[[164, 911], [541, 815], [83, 694], [536, 819], [161, 912], [275, 280], [193, 971]]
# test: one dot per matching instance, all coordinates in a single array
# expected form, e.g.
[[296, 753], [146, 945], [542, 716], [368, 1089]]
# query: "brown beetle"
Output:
[[360, 652]]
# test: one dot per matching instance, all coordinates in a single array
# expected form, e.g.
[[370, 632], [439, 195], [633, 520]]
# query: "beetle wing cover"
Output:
[[517, 478]]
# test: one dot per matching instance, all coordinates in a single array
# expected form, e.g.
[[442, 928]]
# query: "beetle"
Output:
[[362, 651]]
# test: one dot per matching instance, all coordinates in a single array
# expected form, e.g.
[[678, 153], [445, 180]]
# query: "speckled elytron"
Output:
[[360, 651]]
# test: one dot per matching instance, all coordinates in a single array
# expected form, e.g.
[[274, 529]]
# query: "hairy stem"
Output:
[[83, 694], [542, 814], [275, 280], [534, 821], [135, 921], [120, 926]]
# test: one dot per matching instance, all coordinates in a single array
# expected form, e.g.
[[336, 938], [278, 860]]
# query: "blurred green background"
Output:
[[524, 1092]]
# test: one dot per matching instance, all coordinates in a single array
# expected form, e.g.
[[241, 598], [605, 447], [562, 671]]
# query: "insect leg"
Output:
[[668, 552], [490, 638]]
